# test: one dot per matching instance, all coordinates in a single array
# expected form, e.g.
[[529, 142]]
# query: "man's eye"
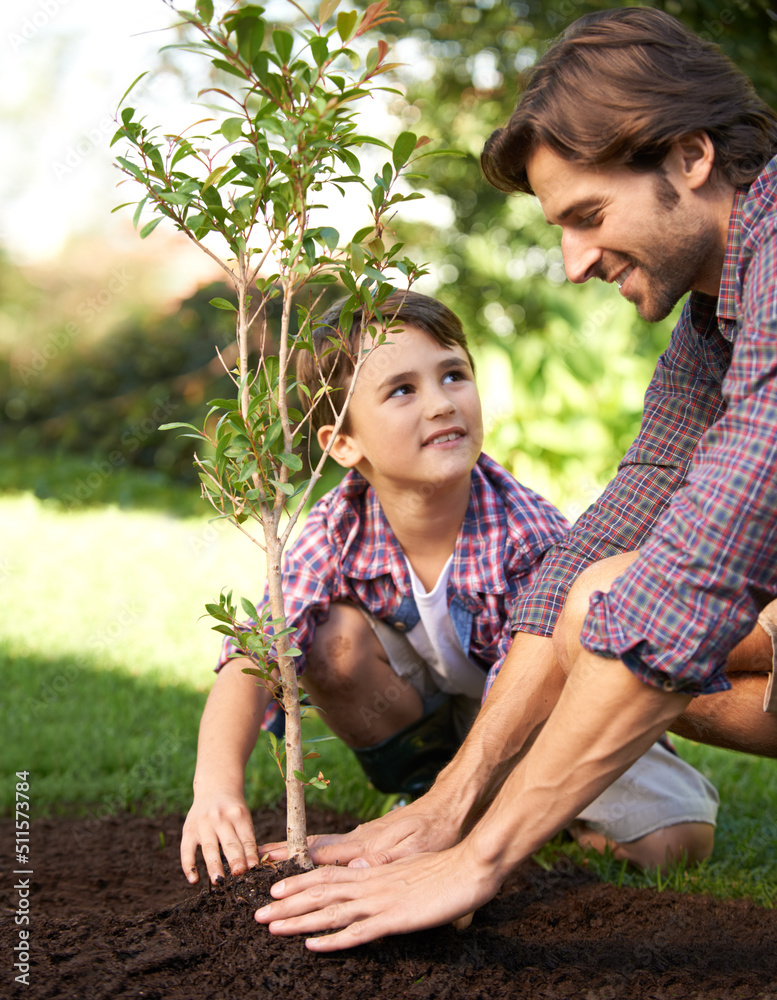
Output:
[[590, 220]]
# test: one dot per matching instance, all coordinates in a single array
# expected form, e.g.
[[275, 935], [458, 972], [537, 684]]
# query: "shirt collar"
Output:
[[372, 549], [727, 296]]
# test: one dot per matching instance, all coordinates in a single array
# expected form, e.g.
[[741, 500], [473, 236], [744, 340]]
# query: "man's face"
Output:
[[643, 231]]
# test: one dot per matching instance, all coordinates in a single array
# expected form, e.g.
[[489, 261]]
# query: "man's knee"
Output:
[[341, 644], [599, 576]]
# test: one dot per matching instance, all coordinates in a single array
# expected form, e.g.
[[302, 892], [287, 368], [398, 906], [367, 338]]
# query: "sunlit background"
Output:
[[106, 552]]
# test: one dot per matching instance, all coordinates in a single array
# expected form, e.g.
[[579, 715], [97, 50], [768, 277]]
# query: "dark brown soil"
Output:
[[112, 916]]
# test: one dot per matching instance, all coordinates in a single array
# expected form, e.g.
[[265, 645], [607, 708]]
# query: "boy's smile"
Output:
[[415, 416]]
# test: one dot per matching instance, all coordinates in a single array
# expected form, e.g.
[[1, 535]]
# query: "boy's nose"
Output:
[[438, 402], [581, 256]]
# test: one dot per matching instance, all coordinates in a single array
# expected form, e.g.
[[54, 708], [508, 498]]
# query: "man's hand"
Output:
[[213, 820], [412, 894], [415, 828]]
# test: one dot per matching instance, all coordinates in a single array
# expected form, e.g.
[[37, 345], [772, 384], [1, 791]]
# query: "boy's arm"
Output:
[[521, 699], [219, 816]]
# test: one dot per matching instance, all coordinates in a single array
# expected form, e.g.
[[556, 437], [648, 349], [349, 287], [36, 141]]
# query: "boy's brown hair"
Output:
[[619, 87], [333, 365]]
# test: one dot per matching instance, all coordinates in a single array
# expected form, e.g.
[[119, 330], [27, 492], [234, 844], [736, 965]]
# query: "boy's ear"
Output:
[[344, 449]]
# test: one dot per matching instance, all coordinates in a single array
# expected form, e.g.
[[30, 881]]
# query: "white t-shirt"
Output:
[[434, 638]]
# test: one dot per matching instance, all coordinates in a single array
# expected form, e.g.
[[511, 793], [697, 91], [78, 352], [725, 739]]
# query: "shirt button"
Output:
[[400, 626], [668, 685]]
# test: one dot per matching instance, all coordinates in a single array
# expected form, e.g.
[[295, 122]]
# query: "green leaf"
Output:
[[227, 306], [250, 36], [319, 49], [172, 427], [224, 630], [204, 10], [346, 22], [138, 210], [327, 8], [248, 607], [293, 462], [136, 80], [214, 176], [232, 129], [403, 149], [283, 43], [132, 168], [150, 227], [329, 237], [228, 68], [357, 258]]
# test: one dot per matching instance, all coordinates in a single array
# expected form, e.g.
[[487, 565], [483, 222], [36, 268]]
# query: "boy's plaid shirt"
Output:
[[346, 551], [697, 491]]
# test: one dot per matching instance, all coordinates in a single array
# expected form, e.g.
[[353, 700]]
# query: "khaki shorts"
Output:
[[658, 790], [768, 622]]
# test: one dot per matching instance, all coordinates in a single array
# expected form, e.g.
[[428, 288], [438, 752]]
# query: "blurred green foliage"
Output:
[[562, 369]]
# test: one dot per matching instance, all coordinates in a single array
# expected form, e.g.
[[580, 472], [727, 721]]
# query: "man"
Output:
[[656, 158]]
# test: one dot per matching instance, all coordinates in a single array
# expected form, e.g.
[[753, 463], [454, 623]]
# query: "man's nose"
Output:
[[581, 256]]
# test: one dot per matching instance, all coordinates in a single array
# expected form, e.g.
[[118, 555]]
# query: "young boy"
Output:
[[399, 588]]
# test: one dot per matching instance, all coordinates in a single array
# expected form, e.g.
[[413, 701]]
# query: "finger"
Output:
[[212, 857], [310, 893], [276, 851], [188, 858], [462, 923], [247, 855], [359, 932]]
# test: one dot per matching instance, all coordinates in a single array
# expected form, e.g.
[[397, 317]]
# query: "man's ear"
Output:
[[694, 156], [344, 449]]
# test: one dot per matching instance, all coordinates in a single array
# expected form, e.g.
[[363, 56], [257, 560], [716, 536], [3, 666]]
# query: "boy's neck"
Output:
[[427, 526]]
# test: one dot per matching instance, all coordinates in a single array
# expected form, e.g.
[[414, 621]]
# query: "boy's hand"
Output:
[[218, 819], [366, 903], [413, 829]]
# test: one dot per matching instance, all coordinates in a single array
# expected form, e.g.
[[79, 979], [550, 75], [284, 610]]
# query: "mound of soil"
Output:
[[113, 917]]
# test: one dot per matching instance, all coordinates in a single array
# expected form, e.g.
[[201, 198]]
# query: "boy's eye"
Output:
[[456, 375], [401, 390]]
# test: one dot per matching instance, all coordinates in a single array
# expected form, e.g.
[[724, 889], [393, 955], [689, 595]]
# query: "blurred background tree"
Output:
[[90, 366]]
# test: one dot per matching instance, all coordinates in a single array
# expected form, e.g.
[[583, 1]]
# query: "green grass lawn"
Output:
[[106, 663]]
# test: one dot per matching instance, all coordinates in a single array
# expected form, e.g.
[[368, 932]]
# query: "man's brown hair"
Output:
[[618, 87], [335, 350]]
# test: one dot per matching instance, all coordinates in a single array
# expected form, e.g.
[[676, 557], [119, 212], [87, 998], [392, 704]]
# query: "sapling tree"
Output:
[[280, 128]]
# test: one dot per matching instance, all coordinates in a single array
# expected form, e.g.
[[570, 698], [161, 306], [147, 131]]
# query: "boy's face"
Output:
[[414, 416]]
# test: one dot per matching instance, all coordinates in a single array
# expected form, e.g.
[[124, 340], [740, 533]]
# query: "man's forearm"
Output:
[[604, 720], [523, 696]]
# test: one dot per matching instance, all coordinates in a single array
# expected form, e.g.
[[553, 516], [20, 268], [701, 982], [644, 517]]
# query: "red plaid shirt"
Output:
[[697, 491], [347, 551]]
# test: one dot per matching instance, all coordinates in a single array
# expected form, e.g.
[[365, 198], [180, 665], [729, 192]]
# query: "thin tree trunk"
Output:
[[296, 826]]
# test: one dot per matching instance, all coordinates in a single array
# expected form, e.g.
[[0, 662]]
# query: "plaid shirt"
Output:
[[347, 551], [697, 491]]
